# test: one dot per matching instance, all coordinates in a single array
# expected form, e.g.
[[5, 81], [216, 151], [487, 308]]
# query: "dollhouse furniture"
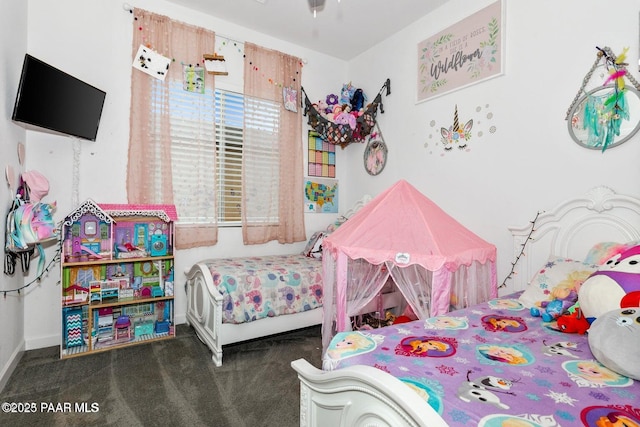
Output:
[[162, 326], [143, 327], [110, 252], [109, 289], [72, 326], [496, 364], [123, 327], [105, 324]]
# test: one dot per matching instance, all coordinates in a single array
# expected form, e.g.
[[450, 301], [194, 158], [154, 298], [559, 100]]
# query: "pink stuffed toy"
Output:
[[337, 110], [345, 118], [614, 285]]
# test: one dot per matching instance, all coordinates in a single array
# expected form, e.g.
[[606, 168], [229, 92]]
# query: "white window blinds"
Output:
[[261, 160]]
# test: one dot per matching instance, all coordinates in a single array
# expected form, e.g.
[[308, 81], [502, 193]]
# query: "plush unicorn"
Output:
[[29, 225], [34, 223]]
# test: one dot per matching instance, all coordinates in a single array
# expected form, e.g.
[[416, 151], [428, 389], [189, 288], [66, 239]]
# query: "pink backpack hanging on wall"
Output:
[[29, 223]]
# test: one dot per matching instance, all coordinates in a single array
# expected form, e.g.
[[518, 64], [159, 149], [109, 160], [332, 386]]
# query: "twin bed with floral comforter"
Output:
[[230, 300], [237, 299], [495, 365], [253, 288]]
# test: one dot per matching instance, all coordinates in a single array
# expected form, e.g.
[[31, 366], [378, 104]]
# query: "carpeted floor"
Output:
[[164, 383]]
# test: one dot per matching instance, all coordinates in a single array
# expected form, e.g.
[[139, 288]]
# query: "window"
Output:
[[207, 145], [262, 160], [210, 146], [229, 145]]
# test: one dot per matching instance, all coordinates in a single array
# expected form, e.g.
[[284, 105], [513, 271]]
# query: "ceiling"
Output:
[[342, 28]]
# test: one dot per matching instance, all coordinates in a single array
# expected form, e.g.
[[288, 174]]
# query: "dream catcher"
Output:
[[608, 115], [375, 153]]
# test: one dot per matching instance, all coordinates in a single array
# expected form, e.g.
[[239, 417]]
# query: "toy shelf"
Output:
[[84, 349], [117, 277], [116, 261], [132, 301]]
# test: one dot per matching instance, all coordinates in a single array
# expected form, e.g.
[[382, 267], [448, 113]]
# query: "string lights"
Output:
[[522, 249], [54, 260]]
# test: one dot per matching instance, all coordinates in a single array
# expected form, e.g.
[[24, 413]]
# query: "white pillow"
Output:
[[314, 245], [554, 272]]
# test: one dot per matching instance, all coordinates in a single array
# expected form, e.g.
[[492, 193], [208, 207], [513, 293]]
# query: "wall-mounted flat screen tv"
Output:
[[52, 99]]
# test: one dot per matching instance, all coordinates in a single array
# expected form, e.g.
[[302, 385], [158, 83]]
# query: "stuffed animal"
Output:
[[344, 118], [614, 340], [337, 110], [614, 285], [332, 100], [573, 323], [561, 298], [346, 93], [321, 106], [357, 100]]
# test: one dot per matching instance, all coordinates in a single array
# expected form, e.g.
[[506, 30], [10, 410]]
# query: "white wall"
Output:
[[13, 23], [93, 42], [530, 163]]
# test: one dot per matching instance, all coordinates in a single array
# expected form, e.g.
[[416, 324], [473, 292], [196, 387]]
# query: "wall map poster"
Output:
[[466, 53], [321, 195]]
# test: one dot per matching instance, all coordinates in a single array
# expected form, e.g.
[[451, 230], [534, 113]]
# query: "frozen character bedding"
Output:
[[495, 364]]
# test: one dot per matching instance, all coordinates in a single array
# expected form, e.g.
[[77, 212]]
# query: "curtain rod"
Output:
[[229, 38], [128, 8]]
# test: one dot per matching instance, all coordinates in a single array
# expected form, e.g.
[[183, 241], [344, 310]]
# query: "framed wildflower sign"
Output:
[[463, 54]]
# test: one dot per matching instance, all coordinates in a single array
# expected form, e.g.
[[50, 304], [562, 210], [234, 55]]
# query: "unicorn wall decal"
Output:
[[456, 135]]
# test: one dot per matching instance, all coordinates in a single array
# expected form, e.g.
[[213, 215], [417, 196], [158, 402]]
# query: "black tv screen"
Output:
[[52, 99]]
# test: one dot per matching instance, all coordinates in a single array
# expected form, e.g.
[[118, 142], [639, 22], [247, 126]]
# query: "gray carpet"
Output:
[[164, 383]]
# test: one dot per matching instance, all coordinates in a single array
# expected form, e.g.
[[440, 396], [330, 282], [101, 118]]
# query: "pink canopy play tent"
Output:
[[436, 263]]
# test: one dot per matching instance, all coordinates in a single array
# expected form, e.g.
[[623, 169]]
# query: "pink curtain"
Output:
[[265, 217], [149, 174]]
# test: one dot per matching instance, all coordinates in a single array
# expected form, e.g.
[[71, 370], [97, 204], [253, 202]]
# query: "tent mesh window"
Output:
[[343, 134]]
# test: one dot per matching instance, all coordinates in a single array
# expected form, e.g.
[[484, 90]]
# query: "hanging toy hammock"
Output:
[[343, 134]]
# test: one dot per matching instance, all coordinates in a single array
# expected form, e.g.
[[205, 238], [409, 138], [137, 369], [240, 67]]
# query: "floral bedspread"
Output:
[[495, 365], [267, 286]]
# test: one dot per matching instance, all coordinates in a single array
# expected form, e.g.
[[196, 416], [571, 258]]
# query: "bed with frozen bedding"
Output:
[[500, 363], [493, 365]]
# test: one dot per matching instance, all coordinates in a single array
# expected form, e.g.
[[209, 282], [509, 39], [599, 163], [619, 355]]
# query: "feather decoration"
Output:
[[614, 98], [614, 76], [620, 59]]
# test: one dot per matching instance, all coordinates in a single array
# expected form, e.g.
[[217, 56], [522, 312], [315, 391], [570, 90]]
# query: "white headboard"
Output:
[[571, 229], [357, 206]]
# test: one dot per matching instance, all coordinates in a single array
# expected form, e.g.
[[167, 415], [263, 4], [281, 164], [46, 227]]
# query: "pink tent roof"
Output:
[[404, 226]]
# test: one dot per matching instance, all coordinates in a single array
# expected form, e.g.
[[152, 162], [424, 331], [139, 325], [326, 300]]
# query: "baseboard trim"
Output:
[[42, 342], [10, 366]]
